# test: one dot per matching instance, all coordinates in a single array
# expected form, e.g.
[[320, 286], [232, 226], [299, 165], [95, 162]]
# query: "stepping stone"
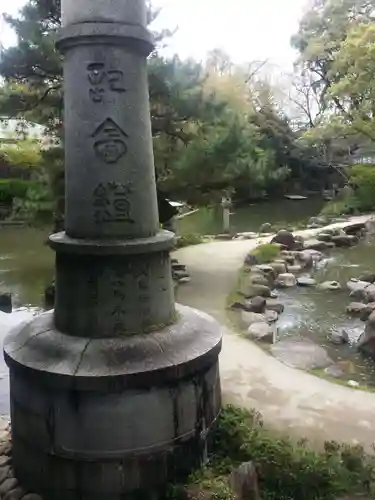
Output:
[[302, 354]]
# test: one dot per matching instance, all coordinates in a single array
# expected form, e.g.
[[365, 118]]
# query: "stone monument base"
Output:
[[96, 419]]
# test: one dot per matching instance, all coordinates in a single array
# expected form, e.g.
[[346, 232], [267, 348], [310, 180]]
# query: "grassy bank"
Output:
[[286, 470]]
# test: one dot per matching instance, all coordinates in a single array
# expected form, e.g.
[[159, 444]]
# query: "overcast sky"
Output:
[[246, 29]]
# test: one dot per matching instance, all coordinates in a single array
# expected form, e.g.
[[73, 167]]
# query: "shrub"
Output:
[[266, 253], [189, 239], [362, 178], [336, 208], [362, 199], [286, 470], [14, 188]]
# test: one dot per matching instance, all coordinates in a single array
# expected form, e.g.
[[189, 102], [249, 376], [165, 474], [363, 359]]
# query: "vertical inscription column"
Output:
[[111, 204], [110, 182]]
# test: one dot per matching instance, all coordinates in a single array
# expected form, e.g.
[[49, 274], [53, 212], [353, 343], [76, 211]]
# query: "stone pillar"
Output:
[[112, 393], [226, 204]]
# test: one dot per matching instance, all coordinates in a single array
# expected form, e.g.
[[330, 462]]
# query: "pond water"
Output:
[[251, 217], [27, 267], [314, 313]]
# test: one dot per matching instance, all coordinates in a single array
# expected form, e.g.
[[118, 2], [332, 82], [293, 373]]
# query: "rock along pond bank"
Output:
[[307, 302]]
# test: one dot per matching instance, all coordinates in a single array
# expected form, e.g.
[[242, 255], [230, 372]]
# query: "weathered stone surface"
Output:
[[8, 485], [302, 354], [318, 221], [279, 267], [4, 473], [354, 228], [244, 482], [183, 281], [334, 371], [116, 369], [275, 305], [241, 306], [366, 342], [266, 269], [251, 259], [370, 293], [296, 269], [263, 331], [271, 316], [265, 228], [355, 308], [286, 239], [355, 285], [257, 278], [4, 460], [344, 240], [324, 237], [309, 257], [248, 318], [5, 448], [286, 280], [32, 496], [371, 320], [15, 494], [105, 378], [339, 337], [314, 244], [330, 286], [365, 313], [250, 290], [305, 281], [257, 305], [369, 277]]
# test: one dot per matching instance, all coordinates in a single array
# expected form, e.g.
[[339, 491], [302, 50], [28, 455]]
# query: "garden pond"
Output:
[[314, 314], [27, 267]]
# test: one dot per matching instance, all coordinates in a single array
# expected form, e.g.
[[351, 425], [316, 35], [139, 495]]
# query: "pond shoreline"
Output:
[[307, 324], [291, 400]]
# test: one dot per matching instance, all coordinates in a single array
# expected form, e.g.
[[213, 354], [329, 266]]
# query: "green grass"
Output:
[[287, 470], [320, 373], [187, 240], [266, 253]]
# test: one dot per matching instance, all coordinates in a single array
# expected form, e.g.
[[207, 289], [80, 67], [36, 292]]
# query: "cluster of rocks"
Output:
[[9, 486], [363, 290], [179, 272], [260, 307]]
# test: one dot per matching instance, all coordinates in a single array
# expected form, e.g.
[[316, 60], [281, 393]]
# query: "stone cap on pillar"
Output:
[[118, 11]]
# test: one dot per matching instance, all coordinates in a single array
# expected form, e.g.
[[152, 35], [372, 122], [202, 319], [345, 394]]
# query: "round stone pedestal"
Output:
[[106, 418]]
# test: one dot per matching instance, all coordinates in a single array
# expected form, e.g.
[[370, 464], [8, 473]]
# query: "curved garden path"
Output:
[[289, 399]]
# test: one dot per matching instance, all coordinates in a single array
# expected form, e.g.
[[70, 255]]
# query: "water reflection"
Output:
[[251, 217], [314, 314], [26, 265]]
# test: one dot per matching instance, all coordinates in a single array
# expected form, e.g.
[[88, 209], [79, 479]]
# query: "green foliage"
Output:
[[362, 199], [187, 240], [337, 208], [21, 153], [36, 207], [14, 188], [286, 470], [336, 42], [266, 253], [215, 130], [362, 178]]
